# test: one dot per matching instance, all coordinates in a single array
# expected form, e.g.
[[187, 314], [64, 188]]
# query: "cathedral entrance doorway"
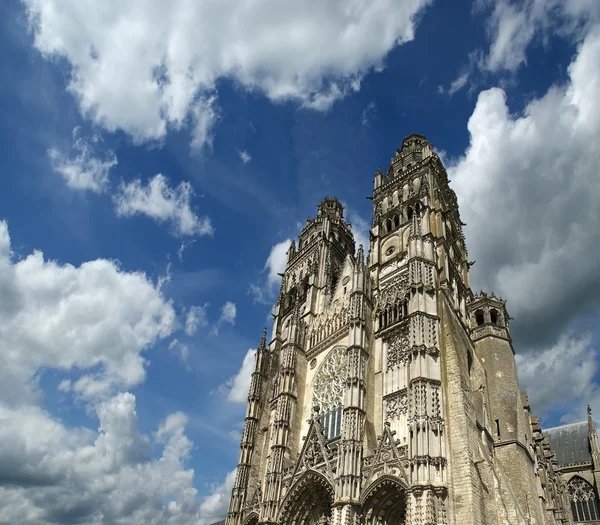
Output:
[[252, 519], [384, 503], [308, 502]]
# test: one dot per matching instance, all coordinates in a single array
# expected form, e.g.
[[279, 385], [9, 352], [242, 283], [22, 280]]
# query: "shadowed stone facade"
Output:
[[388, 393]]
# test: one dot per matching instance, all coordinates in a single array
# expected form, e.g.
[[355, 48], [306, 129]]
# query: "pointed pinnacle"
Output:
[[263, 340], [361, 254]]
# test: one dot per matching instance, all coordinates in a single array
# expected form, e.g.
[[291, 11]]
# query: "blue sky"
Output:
[[157, 161]]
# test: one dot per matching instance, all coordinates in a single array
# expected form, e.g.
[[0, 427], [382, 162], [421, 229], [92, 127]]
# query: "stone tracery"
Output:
[[329, 383]]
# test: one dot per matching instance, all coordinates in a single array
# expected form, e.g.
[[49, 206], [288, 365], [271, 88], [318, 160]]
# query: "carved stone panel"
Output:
[[396, 404]]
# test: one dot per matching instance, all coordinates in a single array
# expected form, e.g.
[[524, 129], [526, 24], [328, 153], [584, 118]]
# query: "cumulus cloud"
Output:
[[164, 74], [87, 168], [275, 264], [163, 203], [214, 507], [94, 322], [95, 319], [238, 386], [74, 475], [195, 318], [528, 189]]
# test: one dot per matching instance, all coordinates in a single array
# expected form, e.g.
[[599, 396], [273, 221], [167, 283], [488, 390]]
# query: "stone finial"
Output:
[[360, 256], [263, 341]]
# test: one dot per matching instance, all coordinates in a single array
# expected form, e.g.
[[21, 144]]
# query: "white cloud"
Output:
[[276, 262], [239, 385], [64, 385], [94, 319], [74, 475], [181, 349], [528, 190], [214, 507], [228, 313], [87, 168], [457, 84], [245, 156], [274, 265], [513, 26], [147, 68], [183, 247], [511, 33], [204, 114], [163, 203], [195, 318]]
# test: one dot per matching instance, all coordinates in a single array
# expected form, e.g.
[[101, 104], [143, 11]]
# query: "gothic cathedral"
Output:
[[388, 394]]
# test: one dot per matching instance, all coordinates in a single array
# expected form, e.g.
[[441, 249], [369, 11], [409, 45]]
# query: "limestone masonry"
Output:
[[388, 393]]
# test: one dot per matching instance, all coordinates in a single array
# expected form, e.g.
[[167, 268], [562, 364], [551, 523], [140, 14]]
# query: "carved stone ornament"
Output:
[[398, 351], [386, 460], [330, 382], [315, 454], [396, 404], [392, 292]]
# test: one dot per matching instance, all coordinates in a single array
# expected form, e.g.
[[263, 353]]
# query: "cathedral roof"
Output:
[[570, 443]]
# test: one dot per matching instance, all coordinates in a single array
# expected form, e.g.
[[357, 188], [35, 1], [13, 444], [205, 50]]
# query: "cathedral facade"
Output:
[[388, 393]]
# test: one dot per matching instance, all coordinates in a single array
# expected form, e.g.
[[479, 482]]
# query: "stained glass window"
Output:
[[328, 391], [584, 502]]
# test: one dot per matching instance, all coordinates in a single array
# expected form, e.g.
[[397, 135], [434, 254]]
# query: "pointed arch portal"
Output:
[[308, 502], [384, 502], [252, 519]]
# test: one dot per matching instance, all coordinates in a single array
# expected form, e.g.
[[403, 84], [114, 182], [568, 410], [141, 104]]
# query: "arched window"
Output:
[[328, 391], [396, 221], [494, 316], [388, 226], [584, 502], [409, 213], [479, 317]]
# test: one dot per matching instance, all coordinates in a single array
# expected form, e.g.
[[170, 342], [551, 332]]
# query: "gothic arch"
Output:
[[251, 519], [584, 500], [309, 500], [384, 501]]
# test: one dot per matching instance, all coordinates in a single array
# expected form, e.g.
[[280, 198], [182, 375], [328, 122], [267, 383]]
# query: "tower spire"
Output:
[[262, 346]]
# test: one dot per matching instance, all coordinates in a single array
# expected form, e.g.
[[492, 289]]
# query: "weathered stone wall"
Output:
[[466, 495]]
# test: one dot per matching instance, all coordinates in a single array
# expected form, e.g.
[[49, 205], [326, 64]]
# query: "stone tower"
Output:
[[388, 393]]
